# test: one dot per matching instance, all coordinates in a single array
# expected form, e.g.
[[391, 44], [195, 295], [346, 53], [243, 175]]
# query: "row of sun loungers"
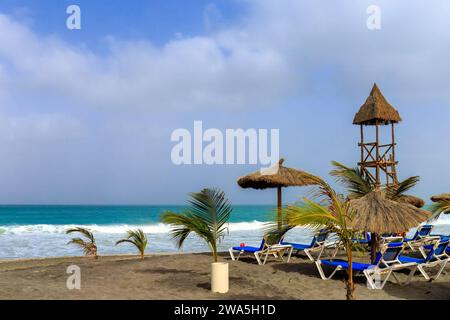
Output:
[[391, 257], [278, 248]]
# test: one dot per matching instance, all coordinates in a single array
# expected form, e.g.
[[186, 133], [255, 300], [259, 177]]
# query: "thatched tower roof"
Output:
[[441, 197], [412, 200], [276, 176], [376, 109], [375, 213]]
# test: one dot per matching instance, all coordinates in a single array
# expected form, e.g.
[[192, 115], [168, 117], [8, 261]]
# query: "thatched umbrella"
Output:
[[442, 203], [412, 200], [278, 177], [377, 214], [441, 197], [408, 199]]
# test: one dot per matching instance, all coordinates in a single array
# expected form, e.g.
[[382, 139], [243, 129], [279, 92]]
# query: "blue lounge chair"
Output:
[[265, 249], [421, 233], [316, 244], [436, 257], [386, 263]]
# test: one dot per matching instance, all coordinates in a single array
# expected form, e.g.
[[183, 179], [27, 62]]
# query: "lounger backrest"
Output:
[[423, 231], [263, 243], [388, 254], [440, 248], [271, 238], [320, 237], [387, 235]]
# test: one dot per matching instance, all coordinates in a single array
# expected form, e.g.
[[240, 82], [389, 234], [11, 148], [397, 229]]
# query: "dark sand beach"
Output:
[[187, 276]]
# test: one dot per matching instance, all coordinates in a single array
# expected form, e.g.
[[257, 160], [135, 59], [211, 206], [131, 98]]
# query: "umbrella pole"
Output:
[[279, 204], [373, 246]]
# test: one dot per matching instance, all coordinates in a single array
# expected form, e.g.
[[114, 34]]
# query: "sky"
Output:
[[86, 116]]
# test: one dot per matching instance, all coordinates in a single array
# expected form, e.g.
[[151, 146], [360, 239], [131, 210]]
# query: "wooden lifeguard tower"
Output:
[[377, 158]]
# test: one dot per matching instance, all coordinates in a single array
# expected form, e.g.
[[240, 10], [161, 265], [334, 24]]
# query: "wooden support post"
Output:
[[393, 169], [393, 140], [279, 207], [377, 143], [362, 143]]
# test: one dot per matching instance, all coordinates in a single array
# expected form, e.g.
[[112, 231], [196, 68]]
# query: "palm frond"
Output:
[[124, 241], [211, 206], [273, 234], [308, 214], [354, 179], [438, 208], [89, 249], [78, 241], [395, 191], [85, 232]]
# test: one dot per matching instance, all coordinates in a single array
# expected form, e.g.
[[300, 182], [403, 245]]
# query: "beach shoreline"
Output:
[[185, 276]]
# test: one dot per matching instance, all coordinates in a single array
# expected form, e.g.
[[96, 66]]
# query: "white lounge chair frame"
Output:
[[440, 260], [418, 243], [376, 272], [277, 250]]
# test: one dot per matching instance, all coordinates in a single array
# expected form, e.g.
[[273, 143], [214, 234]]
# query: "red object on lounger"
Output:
[[242, 244]]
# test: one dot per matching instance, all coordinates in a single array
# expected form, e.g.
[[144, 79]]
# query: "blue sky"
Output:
[[86, 115]]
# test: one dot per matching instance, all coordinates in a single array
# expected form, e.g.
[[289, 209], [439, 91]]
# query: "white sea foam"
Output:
[[114, 229], [28, 241]]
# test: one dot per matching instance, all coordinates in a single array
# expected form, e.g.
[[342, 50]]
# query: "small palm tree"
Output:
[[137, 238], [332, 212], [208, 213], [88, 244]]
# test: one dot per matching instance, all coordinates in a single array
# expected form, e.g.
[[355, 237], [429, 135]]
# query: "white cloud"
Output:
[[196, 72], [39, 128], [272, 55]]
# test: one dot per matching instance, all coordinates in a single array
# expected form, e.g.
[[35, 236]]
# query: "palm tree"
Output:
[[439, 207], [207, 215], [137, 238], [331, 211], [88, 244], [358, 184]]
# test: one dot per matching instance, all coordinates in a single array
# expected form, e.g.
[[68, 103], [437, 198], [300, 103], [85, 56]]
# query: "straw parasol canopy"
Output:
[[277, 176], [441, 197], [375, 213], [443, 203], [412, 200], [376, 110]]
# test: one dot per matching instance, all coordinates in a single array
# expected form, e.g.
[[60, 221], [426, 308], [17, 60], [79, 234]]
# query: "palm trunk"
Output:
[[350, 284], [142, 255], [214, 251]]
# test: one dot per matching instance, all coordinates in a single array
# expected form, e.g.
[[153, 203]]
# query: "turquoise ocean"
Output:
[[38, 231]]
